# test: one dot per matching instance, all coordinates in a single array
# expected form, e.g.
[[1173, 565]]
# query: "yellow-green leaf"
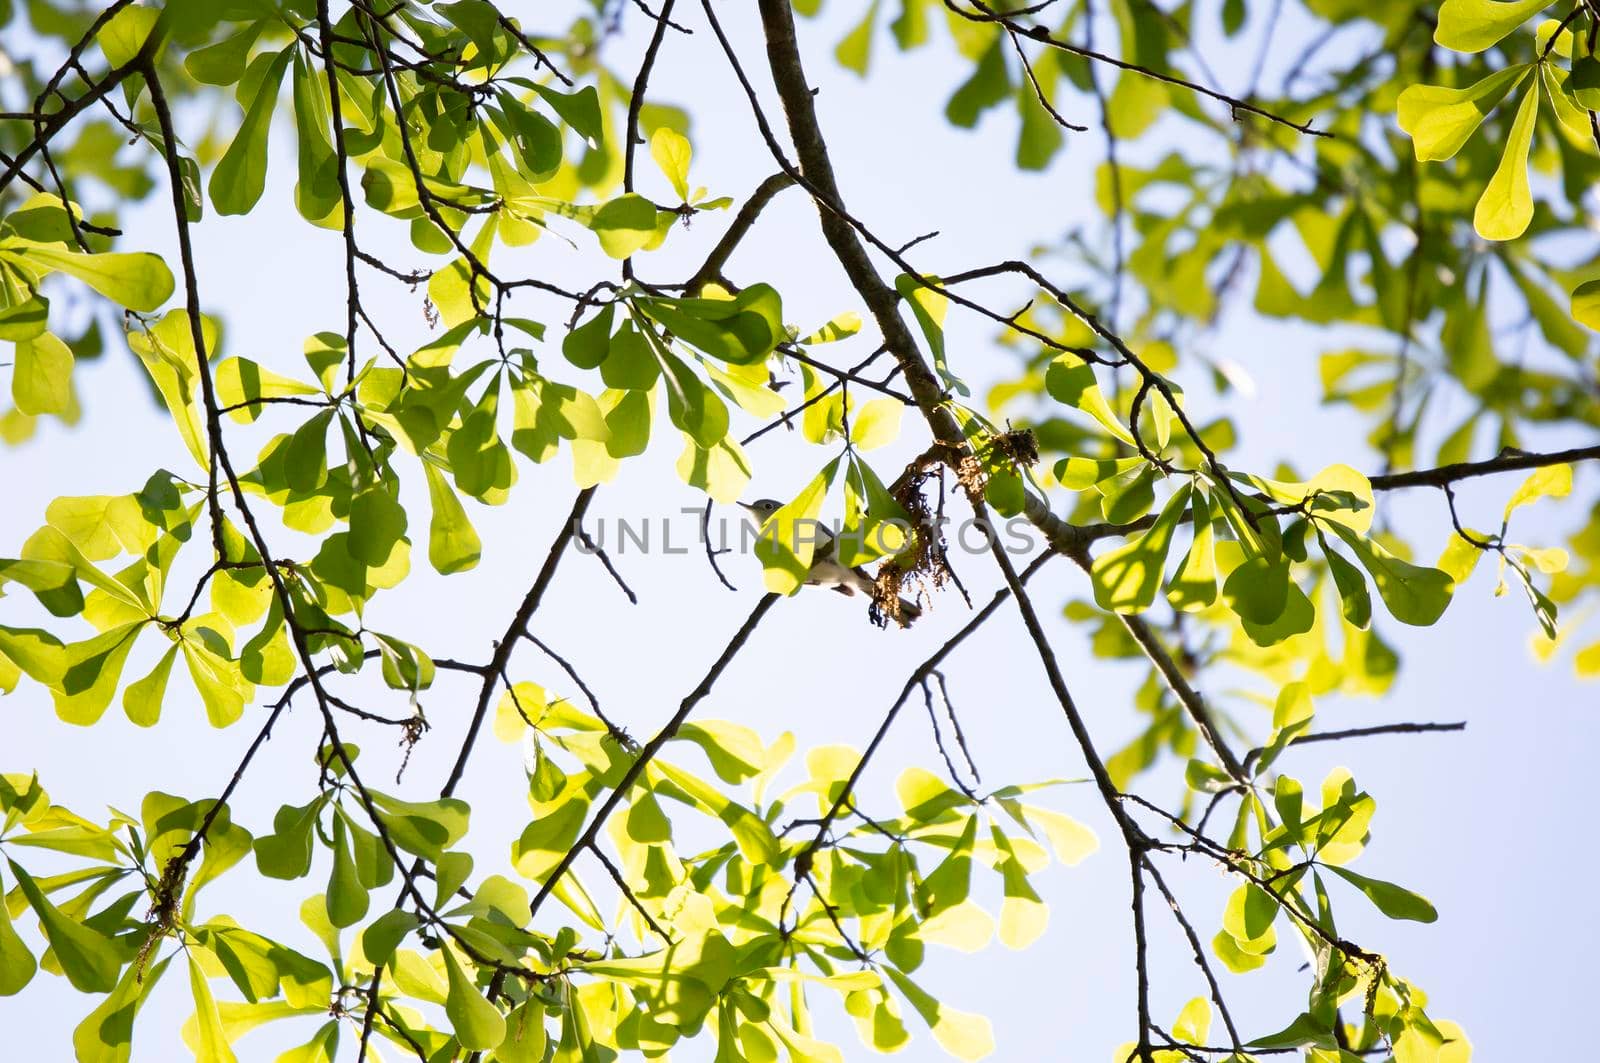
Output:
[[41, 376], [672, 153], [241, 174], [211, 1043], [1441, 120], [1506, 206], [1474, 25], [137, 280], [478, 1024], [1552, 481], [453, 545], [1126, 579]]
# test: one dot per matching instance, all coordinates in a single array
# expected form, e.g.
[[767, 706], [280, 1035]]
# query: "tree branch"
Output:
[[647, 754]]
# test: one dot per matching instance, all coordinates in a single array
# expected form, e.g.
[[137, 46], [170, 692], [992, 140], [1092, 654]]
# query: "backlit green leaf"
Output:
[[1473, 25], [1396, 902], [88, 958], [1506, 206], [477, 1023], [41, 376], [1441, 120], [241, 174]]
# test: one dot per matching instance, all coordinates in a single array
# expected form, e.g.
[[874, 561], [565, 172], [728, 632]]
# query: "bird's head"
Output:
[[762, 509]]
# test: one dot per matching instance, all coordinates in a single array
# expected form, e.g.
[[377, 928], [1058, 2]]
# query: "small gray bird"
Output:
[[826, 570]]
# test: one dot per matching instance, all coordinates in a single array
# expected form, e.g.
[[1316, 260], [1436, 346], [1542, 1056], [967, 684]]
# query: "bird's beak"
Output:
[[749, 507]]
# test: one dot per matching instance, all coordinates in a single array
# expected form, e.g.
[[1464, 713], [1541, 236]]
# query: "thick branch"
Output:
[[737, 230]]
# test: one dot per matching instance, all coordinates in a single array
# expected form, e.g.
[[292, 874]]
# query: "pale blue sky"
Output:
[[1483, 823]]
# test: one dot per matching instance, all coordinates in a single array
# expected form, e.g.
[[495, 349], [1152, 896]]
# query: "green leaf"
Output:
[[241, 174], [1193, 586], [876, 424], [346, 898], [24, 320], [267, 658], [478, 1024], [142, 699], [125, 34], [211, 1042], [223, 688], [1193, 1022], [286, 852], [1394, 901], [479, 20], [138, 280], [1586, 304], [580, 110], [743, 330], [377, 523], [1249, 916], [1258, 589], [525, 1037], [1023, 915], [1552, 481], [17, 965], [89, 959], [1080, 474], [1128, 497], [735, 751], [379, 940], [988, 86], [840, 328], [1474, 25], [306, 459], [1441, 120], [92, 670], [1232, 956], [928, 306], [1553, 319], [1304, 1031], [624, 225], [1071, 380], [1126, 579], [1354, 600], [322, 1048], [854, 52], [1233, 15], [223, 63], [672, 153], [691, 406], [41, 375], [629, 362], [106, 1034], [425, 828], [168, 355], [721, 471], [317, 194], [587, 345], [1413, 594], [1205, 778], [962, 1034], [1293, 706], [453, 545], [1506, 206], [245, 384]]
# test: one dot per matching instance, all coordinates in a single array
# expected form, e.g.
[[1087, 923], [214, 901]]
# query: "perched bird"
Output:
[[826, 570]]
